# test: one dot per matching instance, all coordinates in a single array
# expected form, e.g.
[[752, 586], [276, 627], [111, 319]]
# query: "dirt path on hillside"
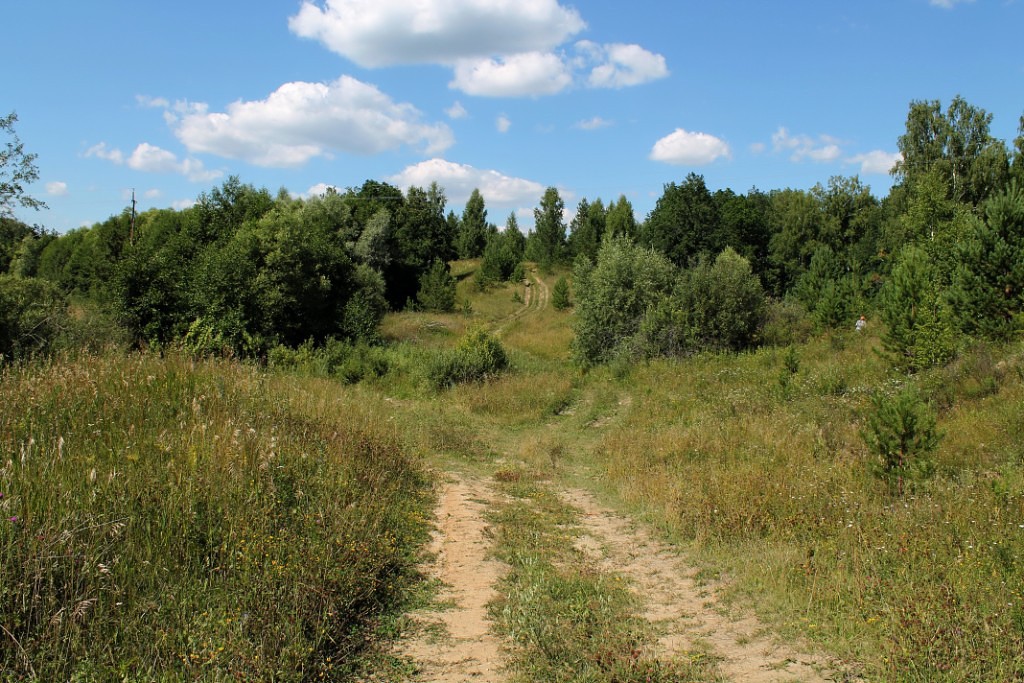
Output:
[[686, 614], [455, 643], [535, 299], [464, 649]]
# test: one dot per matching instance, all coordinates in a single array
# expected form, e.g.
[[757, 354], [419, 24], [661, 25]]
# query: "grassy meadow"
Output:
[[165, 519], [176, 519]]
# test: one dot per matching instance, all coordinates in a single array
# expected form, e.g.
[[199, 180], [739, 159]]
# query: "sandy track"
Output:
[[685, 613], [468, 651], [535, 299]]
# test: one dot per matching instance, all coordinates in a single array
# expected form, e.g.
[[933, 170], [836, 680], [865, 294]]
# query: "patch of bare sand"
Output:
[[468, 650], [685, 613]]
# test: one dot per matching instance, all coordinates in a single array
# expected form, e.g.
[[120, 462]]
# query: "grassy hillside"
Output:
[[207, 519], [164, 519]]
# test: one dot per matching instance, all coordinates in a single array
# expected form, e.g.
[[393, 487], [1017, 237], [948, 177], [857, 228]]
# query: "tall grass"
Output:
[[170, 520], [766, 471]]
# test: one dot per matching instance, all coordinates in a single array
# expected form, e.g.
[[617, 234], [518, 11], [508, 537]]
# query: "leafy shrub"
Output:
[[32, 313], [901, 432], [614, 295], [343, 360], [716, 306], [785, 323], [478, 357]]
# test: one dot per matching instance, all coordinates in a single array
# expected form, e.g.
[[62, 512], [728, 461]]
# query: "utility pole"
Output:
[[131, 232]]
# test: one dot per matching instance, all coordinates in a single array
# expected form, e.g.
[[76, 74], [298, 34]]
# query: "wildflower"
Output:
[[14, 519]]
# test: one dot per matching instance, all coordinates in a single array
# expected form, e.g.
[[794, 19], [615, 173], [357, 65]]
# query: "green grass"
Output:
[[165, 509], [567, 620], [171, 520], [775, 486]]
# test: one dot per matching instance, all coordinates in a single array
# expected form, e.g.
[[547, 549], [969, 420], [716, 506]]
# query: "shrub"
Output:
[[614, 295], [437, 289], [716, 306], [32, 313], [560, 294], [478, 357], [785, 323], [919, 330], [901, 432]]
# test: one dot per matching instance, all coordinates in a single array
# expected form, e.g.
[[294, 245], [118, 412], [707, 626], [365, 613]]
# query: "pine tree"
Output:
[[473, 227]]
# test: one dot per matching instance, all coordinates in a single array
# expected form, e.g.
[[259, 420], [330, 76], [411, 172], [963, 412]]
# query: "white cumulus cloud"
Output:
[[520, 75], [57, 188], [496, 48], [300, 120], [877, 162], [459, 181], [685, 148], [319, 190], [503, 124], [100, 151], [372, 33]]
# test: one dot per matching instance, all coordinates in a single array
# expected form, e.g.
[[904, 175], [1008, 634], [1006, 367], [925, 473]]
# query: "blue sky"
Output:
[[598, 98]]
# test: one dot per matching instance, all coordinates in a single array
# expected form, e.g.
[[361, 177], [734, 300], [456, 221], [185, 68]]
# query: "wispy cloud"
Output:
[[801, 147]]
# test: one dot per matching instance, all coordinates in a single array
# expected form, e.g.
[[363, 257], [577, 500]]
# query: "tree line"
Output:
[[241, 271]]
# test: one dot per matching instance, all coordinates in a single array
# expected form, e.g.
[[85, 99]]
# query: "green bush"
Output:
[[614, 295], [716, 306], [919, 331], [32, 314], [901, 432], [437, 289], [560, 294], [785, 323], [478, 357]]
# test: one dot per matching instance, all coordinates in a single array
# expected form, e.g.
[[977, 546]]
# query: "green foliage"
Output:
[[716, 306], [560, 294], [172, 520], [956, 147], [478, 357], [437, 289], [825, 290], [901, 432], [613, 296], [684, 222], [546, 244], [619, 220], [32, 314], [919, 331], [786, 322], [504, 252], [350, 363], [17, 169], [988, 287], [472, 236], [586, 229]]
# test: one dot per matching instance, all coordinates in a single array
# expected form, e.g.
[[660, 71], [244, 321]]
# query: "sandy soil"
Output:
[[466, 650], [686, 614]]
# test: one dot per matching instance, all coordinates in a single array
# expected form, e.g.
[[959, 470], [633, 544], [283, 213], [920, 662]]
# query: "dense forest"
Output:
[[243, 271]]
